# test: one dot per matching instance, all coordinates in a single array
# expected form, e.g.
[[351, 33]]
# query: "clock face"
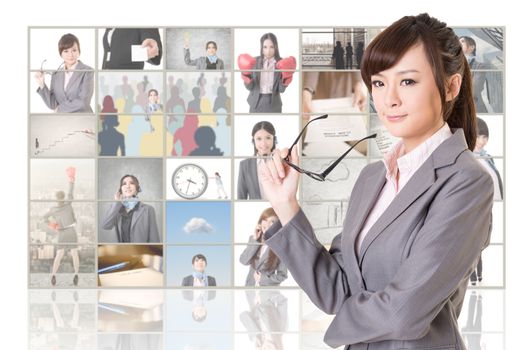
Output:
[[189, 181]]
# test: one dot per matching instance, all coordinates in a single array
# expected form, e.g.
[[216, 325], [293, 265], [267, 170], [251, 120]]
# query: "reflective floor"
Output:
[[208, 319]]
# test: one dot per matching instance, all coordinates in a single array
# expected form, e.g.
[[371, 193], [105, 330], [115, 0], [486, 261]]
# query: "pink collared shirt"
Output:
[[397, 162], [267, 76], [68, 74]]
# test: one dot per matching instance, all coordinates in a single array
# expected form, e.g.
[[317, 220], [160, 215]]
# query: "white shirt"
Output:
[[68, 74], [397, 162]]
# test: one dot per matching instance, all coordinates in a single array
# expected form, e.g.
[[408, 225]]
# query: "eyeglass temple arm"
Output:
[[333, 165], [301, 134]]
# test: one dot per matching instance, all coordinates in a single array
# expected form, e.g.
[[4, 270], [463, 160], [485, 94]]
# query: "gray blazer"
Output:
[[76, 98], [201, 62], [254, 87], [248, 180], [405, 290], [268, 277], [189, 281], [143, 224]]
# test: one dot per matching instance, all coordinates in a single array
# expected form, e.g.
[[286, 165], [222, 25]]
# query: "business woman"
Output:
[[265, 268], [264, 140], [395, 277], [132, 220], [72, 86], [209, 61], [266, 83]]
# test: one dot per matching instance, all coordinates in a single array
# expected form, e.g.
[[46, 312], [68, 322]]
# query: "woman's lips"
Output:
[[395, 118]]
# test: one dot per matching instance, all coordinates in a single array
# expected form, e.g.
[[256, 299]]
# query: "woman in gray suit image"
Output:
[[417, 221], [132, 220], [72, 85]]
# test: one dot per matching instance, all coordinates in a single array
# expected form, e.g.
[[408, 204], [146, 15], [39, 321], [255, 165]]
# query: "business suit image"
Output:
[[248, 180], [117, 44], [199, 263], [188, 281], [143, 223], [76, 96], [416, 222], [274, 104], [410, 279]]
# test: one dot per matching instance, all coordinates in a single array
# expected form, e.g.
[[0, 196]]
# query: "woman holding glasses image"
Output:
[[395, 277], [72, 85]]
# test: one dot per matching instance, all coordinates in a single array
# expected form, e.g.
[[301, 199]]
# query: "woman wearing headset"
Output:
[[133, 221], [72, 86], [416, 222], [264, 140]]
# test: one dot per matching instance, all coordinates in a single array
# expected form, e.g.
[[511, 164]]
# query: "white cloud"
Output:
[[198, 225]]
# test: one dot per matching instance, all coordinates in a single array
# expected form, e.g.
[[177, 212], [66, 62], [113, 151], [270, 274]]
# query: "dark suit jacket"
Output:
[[189, 281], [76, 98], [406, 288], [121, 41], [248, 181], [254, 87]]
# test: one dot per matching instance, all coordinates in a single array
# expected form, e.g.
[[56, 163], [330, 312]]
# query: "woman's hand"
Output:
[[258, 232], [257, 277], [118, 196], [279, 183], [39, 78]]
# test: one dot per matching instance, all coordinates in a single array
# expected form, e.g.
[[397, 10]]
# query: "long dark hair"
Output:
[[273, 260], [445, 55], [273, 38]]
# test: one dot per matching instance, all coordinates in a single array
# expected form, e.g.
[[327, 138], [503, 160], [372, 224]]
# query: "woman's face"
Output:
[[70, 56], [263, 142], [153, 96], [199, 265], [482, 140], [268, 50], [129, 188], [211, 49], [407, 99], [265, 224]]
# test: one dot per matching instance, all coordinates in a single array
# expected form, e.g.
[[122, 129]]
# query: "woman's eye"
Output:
[[377, 83], [407, 82]]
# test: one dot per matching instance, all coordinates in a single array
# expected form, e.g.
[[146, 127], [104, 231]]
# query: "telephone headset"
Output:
[[134, 178]]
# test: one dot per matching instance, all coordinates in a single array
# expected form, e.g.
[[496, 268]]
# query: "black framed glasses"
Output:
[[320, 176], [46, 72]]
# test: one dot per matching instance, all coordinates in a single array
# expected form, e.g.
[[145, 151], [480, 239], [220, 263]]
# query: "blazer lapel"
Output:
[[357, 214], [420, 182], [137, 214], [253, 173]]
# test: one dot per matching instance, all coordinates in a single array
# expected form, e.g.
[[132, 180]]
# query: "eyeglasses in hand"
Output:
[[320, 176]]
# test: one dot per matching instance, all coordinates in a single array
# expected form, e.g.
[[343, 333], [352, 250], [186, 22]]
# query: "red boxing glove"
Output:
[[54, 226], [71, 174], [246, 62], [289, 64]]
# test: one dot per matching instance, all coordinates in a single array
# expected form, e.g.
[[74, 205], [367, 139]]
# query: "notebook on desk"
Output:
[[143, 277]]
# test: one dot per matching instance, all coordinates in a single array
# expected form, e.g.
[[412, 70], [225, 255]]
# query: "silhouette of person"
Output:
[[222, 100], [109, 138], [175, 101], [338, 55], [349, 56], [359, 52], [185, 134], [223, 132], [194, 105], [135, 130], [205, 139], [36, 143]]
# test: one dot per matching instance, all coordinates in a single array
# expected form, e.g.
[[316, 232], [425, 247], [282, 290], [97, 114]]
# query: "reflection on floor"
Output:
[[213, 319]]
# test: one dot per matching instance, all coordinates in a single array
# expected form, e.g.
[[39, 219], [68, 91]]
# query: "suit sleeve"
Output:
[[153, 33], [188, 61], [109, 218], [82, 102], [48, 95], [251, 250], [153, 234], [242, 190], [455, 231]]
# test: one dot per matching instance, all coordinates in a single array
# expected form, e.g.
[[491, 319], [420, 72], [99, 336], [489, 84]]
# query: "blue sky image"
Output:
[[198, 222]]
